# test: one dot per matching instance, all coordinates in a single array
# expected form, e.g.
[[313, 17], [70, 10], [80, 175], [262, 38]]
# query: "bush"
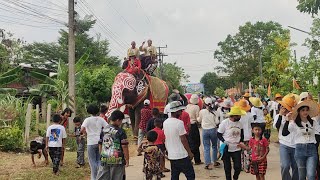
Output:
[[71, 143], [11, 139]]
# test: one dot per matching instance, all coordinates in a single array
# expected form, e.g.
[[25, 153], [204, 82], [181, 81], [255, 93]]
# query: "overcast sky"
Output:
[[184, 25]]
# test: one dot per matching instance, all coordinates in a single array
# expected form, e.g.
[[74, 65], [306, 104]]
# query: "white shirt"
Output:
[[285, 140], [173, 128], [274, 107], [304, 134], [317, 120], [246, 121], [167, 110], [207, 119], [259, 113], [193, 111], [231, 133], [222, 115], [56, 133], [93, 125]]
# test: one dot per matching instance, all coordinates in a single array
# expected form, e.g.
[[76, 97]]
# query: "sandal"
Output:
[[208, 167], [216, 164], [166, 170]]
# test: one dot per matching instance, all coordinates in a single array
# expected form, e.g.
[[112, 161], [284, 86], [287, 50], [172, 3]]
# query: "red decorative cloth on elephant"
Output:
[[158, 93]]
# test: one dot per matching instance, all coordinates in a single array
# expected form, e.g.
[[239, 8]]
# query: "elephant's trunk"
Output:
[[122, 81]]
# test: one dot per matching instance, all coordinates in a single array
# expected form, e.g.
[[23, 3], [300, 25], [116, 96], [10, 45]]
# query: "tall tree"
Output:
[[212, 81], [174, 76], [48, 55], [240, 53], [309, 6]]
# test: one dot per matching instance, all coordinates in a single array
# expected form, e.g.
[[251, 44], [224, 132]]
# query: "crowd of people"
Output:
[[237, 131]]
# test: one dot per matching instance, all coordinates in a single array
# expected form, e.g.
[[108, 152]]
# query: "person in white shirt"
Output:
[[55, 142], [209, 122], [304, 129], [287, 146], [194, 135], [179, 152], [257, 113], [230, 132], [274, 105], [92, 127], [175, 96], [246, 121]]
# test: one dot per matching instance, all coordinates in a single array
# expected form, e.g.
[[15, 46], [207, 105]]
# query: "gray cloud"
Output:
[[184, 25]]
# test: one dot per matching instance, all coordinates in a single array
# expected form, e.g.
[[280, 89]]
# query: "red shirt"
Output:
[[161, 137], [146, 114], [135, 67], [186, 120], [104, 117], [258, 147]]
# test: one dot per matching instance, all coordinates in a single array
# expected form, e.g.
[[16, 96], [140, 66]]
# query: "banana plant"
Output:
[[57, 85], [9, 77]]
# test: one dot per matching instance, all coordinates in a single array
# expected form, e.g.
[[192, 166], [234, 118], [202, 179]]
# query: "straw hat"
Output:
[[278, 95], [288, 102], [194, 99], [246, 95], [176, 106], [256, 101], [313, 108], [236, 111], [243, 104]]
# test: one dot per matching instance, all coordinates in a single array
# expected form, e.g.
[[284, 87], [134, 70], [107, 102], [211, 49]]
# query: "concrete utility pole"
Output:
[[71, 59], [160, 58]]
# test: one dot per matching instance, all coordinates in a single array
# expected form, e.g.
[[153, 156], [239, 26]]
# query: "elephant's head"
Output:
[[126, 89]]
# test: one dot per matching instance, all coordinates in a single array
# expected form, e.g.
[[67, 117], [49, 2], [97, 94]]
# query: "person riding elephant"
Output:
[[149, 59], [134, 64]]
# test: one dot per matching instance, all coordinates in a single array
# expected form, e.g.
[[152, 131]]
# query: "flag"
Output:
[[295, 84], [269, 90], [250, 89]]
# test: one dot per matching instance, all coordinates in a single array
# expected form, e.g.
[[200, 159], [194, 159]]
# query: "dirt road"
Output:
[[134, 171]]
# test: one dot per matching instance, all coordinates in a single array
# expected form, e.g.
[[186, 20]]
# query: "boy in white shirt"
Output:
[[55, 142]]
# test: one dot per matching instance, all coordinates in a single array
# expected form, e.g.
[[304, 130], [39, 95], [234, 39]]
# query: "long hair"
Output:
[[298, 118]]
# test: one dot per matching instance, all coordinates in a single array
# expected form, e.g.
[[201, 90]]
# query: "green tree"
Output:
[[309, 6], [174, 76], [219, 91], [240, 53], [95, 85], [211, 81], [48, 55]]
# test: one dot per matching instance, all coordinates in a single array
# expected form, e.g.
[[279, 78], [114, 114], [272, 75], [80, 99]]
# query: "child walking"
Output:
[[55, 142], [113, 147], [269, 123], [160, 143], [152, 156], [259, 150], [80, 142]]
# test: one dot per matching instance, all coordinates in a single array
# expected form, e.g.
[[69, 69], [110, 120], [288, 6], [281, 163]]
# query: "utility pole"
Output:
[[71, 56], [160, 58]]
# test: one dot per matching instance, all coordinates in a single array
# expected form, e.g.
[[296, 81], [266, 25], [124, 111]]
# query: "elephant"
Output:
[[131, 90]]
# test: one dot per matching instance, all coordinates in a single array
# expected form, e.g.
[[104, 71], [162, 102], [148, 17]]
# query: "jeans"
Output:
[[306, 158], [286, 161], [141, 135], [55, 155], [209, 139], [182, 166], [94, 160], [80, 151], [236, 158]]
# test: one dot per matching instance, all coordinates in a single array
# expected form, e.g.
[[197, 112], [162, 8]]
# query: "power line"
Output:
[[35, 26], [144, 12], [86, 12], [192, 52], [29, 11], [123, 18], [104, 27]]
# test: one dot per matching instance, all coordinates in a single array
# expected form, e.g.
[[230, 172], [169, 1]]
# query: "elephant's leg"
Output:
[[137, 119], [133, 120]]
